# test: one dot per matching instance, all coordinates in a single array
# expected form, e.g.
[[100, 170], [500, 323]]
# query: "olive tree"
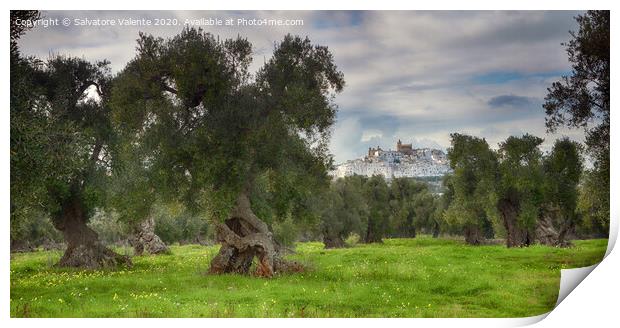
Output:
[[519, 189], [473, 182], [424, 207], [442, 203], [345, 211], [212, 132], [582, 101], [61, 146], [411, 205], [563, 168], [76, 187], [592, 219], [377, 196], [133, 197], [401, 208]]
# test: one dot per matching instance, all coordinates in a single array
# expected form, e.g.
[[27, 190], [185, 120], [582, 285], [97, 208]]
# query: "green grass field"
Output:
[[420, 277]]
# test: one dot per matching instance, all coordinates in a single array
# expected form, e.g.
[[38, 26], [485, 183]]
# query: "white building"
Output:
[[423, 162]]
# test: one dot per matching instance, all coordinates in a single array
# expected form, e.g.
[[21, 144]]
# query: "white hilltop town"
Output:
[[405, 161]]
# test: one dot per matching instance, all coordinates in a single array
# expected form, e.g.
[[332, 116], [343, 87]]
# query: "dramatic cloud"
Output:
[[511, 101], [413, 75]]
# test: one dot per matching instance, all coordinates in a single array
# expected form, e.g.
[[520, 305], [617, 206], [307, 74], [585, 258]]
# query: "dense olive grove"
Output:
[[185, 145]]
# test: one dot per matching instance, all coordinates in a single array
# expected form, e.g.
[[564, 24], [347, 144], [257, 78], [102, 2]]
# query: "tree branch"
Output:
[[167, 88]]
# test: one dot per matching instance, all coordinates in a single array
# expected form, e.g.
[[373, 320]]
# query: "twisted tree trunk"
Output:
[[409, 232], [21, 246], [244, 236], [516, 236], [436, 229], [332, 240], [145, 239], [372, 236], [549, 232], [84, 250], [473, 234], [331, 237], [406, 229]]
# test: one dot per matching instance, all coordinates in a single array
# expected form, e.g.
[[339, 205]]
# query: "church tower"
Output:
[[406, 149]]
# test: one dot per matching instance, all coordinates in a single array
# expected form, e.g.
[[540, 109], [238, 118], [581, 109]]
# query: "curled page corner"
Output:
[[570, 278], [527, 321]]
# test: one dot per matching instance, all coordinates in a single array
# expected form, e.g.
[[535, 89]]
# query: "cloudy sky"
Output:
[[413, 75]]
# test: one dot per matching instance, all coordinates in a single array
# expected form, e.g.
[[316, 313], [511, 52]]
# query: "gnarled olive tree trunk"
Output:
[[407, 229], [372, 235], [244, 236], [84, 250], [516, 236], [436, 229], [473, 234], [407, 232], [332, 240], [551, 230], [145, 239]]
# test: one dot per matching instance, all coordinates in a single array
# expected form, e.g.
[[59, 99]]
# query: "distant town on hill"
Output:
[[404, 161]]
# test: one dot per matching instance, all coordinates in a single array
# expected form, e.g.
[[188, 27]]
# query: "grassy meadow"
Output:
[[421, 277]]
